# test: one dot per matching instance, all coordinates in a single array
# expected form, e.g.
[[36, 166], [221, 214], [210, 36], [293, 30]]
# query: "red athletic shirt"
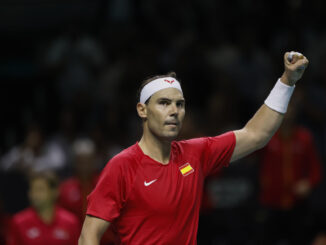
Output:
[[151, 203], [28, 229]]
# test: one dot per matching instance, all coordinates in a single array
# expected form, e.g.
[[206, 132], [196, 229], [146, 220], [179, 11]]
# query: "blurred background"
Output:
[[70, 71]]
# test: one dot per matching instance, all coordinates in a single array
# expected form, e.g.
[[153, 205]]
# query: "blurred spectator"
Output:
[[74, 190], [43, 222], [290, 170], [34, 154], [65, 137]]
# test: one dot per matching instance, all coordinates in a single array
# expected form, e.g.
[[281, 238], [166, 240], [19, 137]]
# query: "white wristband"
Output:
[[279, 97]]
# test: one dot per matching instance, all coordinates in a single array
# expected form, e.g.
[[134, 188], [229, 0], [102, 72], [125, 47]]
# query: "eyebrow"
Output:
[[167, 99]]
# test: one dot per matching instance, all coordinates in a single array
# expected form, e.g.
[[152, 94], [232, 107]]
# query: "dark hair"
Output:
[[50, 177], [148, 80]]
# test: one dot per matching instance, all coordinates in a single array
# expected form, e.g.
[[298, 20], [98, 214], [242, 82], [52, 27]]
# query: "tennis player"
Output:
[[151, 192]]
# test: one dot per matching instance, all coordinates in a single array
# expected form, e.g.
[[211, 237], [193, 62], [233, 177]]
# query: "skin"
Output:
[[262, 126], [162, 117], [42, 198], [162, 120]]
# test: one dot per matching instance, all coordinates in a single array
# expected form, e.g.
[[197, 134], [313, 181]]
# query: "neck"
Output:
[[46, 214], [155, 148]]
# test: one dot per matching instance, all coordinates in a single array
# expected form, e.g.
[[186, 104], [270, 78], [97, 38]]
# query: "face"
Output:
[[165, 112], [40, 194]]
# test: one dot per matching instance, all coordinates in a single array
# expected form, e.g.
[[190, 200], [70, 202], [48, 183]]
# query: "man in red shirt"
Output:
[[151, 192], [43, 223]]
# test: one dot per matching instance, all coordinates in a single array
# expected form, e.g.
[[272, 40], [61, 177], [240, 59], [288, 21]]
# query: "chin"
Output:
[[170, 136]]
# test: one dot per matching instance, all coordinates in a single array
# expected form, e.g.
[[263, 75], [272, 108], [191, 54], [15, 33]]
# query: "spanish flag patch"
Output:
[[186, 169]]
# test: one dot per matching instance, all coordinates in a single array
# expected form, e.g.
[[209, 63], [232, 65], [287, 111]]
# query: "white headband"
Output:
[[157, 85]]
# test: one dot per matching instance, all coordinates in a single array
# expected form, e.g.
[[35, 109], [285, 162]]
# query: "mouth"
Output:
[[172, 124]]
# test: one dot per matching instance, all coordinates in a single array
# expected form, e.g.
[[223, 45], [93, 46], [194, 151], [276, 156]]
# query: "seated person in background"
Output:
[[43, 223], [74, 190]]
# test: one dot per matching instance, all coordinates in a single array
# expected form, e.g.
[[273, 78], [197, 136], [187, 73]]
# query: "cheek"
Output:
[[154, 123], [156, 117], [182, 114]]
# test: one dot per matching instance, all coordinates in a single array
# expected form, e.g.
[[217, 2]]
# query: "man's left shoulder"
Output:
[[189, 144], [203, 141]]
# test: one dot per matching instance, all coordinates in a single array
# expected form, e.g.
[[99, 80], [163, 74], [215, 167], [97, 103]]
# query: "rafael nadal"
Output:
[[150, 193]]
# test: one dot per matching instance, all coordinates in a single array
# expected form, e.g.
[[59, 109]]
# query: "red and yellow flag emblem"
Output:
[[186, 169]]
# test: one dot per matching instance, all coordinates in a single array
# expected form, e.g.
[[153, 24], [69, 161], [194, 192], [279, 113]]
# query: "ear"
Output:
[[142, 110]]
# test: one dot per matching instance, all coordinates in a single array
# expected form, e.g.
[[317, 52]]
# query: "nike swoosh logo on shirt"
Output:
[[149, 183]]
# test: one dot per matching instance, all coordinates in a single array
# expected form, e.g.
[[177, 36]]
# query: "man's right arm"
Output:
[[92, 231]]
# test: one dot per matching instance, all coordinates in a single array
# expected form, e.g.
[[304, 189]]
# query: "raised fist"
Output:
[[295, 64]]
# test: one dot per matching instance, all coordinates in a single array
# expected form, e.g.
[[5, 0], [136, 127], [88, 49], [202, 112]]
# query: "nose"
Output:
[[173, 109]]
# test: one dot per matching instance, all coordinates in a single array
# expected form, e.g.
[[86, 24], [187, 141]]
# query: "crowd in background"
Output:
[[69, 91]]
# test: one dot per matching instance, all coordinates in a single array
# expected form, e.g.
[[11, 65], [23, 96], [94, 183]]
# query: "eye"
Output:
[[180, 104], [163, 102]]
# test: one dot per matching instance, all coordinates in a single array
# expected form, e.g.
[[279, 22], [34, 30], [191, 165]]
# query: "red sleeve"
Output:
[[108, 197], [218, 152], [214, 152]]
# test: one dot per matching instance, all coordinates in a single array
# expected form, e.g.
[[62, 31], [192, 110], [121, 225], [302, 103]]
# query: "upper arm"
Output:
[[246, 143], [213, 152], [257, 132], [92, 231]]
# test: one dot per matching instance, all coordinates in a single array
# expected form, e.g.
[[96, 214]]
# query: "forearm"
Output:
[[269, 117], [88, 240], [92, 231], [263, 125]]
